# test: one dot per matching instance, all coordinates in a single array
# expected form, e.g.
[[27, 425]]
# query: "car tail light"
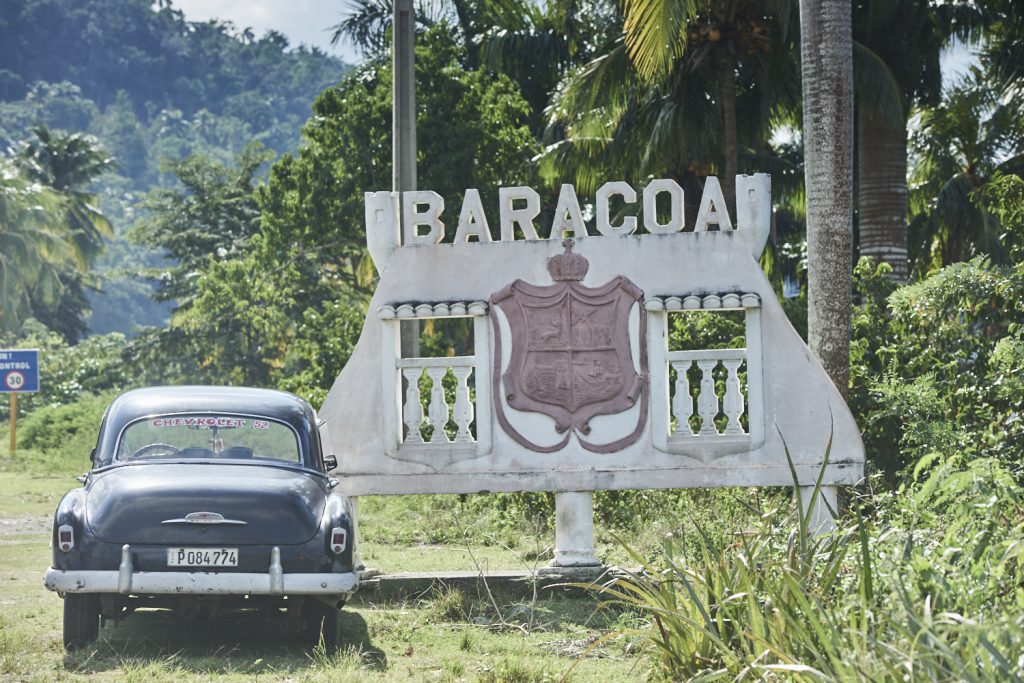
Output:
[[65, 537], [339, 539]]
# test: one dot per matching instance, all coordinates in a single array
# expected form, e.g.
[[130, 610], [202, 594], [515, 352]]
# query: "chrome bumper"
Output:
[[126, 581]]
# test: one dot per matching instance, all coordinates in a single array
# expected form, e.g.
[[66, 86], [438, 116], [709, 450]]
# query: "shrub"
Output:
[[59, 438], [929, 586], [939, 365]]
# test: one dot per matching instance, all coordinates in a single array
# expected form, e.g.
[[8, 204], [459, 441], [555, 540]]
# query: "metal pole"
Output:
[[403, 129], [404, 97], [14, 420]]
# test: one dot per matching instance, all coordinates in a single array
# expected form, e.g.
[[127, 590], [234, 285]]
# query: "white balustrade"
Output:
[[709, 404], [438, 412]]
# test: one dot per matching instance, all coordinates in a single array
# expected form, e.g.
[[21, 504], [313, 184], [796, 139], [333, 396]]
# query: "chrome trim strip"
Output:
[[186, 520], [201, 583]]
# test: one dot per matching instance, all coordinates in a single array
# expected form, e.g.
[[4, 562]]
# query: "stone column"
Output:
[[827, 505], [574, 530]]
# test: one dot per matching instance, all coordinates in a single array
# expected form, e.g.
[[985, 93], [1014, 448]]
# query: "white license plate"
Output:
[[202, 557]]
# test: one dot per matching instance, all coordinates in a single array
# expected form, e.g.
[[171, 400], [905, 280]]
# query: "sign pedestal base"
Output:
[[826, 507], [574, 530]]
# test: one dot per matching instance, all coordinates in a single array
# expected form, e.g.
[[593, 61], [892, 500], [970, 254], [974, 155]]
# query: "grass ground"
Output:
[[444, 636]]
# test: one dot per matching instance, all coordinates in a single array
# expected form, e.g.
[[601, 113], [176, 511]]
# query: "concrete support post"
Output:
[[825, 508], [574, 530], [357, 557]]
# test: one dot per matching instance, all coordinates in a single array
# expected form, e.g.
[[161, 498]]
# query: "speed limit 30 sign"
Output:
[[19, 370]]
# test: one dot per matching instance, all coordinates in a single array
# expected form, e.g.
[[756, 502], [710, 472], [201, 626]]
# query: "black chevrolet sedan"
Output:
[[202, 499]]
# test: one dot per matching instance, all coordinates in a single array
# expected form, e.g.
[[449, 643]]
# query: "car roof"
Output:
[[197, 399], [164, 400]]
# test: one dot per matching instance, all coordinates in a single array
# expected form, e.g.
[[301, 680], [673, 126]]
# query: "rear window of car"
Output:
[[208, 435]]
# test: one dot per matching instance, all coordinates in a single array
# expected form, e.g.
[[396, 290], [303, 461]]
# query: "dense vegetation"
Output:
[[260, 266], [143, 88]]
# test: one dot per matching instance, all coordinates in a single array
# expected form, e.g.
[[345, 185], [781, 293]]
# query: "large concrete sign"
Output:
[[572, 385]]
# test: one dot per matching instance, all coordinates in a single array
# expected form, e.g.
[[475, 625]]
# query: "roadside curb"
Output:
[[515, 584]]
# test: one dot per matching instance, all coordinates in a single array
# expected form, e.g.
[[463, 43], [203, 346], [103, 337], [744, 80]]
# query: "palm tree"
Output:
[[32, 246], [961, 145], [368, 24], [67, 163], [688, 87], [896, 53], [896, 64], [826, 50]]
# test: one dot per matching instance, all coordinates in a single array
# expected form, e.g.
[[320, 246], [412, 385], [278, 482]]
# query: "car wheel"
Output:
[[81, 620], [323, 622]]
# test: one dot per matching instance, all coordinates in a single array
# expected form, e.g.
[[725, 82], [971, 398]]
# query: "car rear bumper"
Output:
[[126, 581]]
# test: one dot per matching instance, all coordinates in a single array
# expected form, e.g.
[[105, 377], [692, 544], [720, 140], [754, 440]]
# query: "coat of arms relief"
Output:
[[571, 356]]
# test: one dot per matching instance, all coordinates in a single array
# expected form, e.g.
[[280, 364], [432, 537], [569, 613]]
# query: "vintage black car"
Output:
[[202, 499]]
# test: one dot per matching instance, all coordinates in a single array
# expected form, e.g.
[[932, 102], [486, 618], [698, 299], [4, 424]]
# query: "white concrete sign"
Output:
[[571, 385]]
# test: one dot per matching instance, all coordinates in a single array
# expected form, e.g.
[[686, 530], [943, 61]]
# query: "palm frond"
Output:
[[656, 33]]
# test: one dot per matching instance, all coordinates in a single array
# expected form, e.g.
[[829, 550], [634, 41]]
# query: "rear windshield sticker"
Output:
[[227, 422]]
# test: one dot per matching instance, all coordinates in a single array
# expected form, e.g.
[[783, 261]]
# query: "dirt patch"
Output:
[[20, 526]]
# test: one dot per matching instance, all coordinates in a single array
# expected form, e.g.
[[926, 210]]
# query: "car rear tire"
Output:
[[81, 620], [324, 623]]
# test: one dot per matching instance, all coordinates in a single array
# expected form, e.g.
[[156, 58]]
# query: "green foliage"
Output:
[[210, 215], [959, 147], [322, 345], [936, 366], [875, 599], [66, 431], [32, 246], [149, 85], [1003, 197], [93, 366], [68, 164], [158, 58]]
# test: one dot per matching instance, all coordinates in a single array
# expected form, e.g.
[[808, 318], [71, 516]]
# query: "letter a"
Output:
[[712, 207], [568, 216], [472, 220]]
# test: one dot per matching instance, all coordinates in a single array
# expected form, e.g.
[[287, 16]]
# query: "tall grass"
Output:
[[924, 584]]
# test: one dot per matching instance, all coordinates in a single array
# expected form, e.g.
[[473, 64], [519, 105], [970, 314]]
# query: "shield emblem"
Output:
[[571, 356]]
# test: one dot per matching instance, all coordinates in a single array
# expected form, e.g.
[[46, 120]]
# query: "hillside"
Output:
[[152, 87]]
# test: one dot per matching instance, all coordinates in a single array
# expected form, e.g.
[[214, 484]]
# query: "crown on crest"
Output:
[[568, 266]]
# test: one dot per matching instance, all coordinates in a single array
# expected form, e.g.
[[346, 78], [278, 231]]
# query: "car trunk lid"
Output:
[[204, 504]]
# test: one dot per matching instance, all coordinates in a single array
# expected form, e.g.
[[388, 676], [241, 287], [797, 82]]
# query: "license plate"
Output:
[[202, 557]]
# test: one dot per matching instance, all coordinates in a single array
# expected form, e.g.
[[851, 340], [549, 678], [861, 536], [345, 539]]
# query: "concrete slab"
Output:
[[503, 584]]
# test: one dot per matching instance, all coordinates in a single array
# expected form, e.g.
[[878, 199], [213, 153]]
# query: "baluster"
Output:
[[707, 401], [412, 413], [438, 406], [732, 403], [682, 402], [463, 406]]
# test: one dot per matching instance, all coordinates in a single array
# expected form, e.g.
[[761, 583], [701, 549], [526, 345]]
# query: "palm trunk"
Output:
[[882, 191], [826, 50], [729, 125]]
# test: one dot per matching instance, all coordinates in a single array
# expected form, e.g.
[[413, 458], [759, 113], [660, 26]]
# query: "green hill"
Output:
[[152, 87]]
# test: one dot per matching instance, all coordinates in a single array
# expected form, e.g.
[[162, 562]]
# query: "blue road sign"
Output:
[[19, 370]]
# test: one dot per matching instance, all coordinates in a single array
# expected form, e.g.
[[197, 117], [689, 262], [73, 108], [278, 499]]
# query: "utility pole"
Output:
[[403, 128]]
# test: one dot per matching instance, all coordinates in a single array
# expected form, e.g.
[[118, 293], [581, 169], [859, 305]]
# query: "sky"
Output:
[[302, 21]]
